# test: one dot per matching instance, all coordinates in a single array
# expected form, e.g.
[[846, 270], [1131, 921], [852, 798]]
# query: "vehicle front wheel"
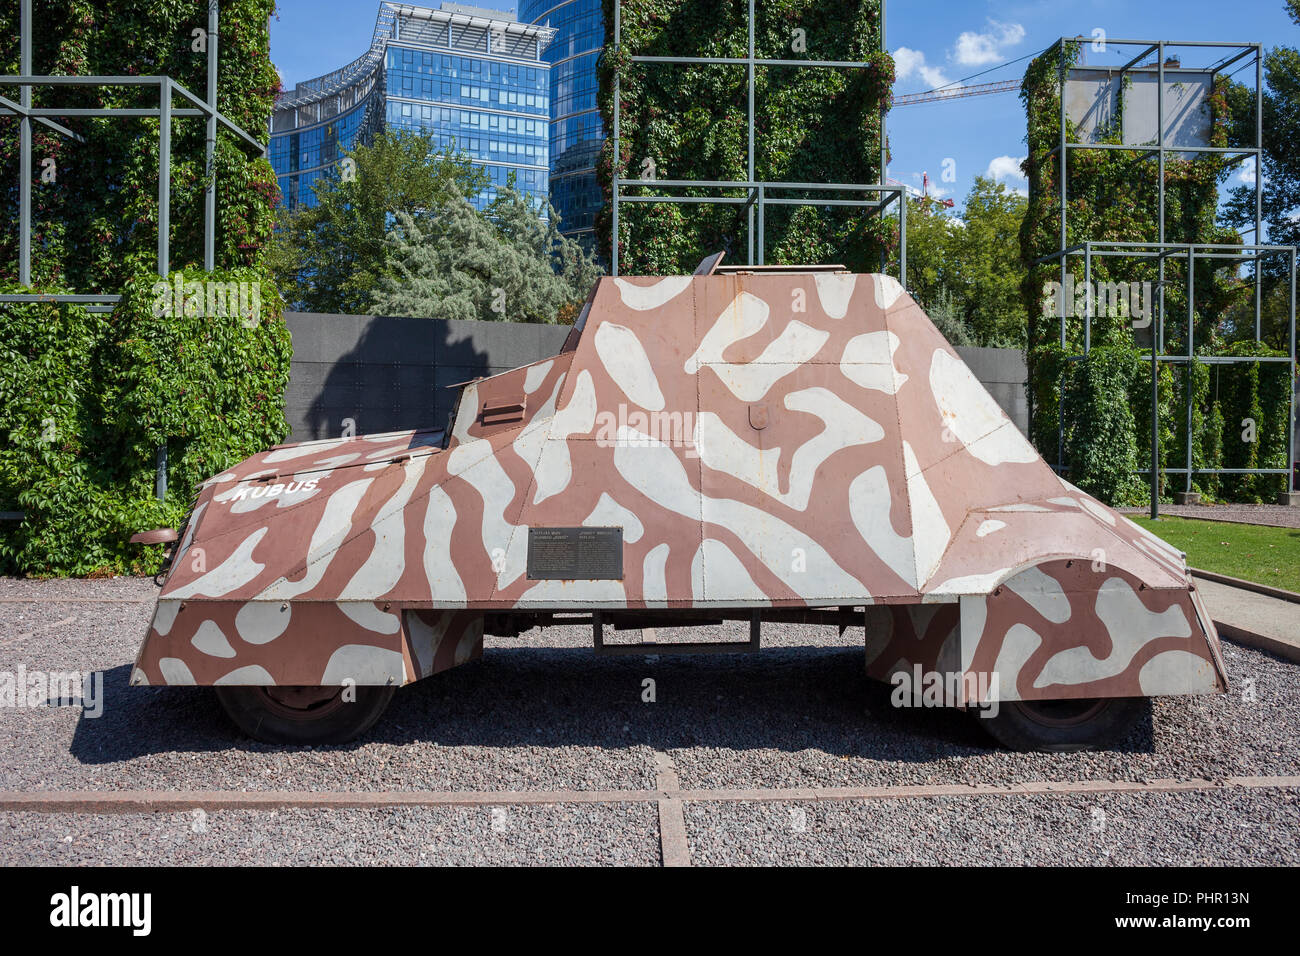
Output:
[[1061, 725], [304, 715]]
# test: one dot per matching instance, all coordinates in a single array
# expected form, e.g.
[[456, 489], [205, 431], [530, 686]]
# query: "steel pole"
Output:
[[1158, 332], [164, 176], [884, 143], [1190, 371], [1290, 432], [25, 154], [613, 162], [749, 70], [209, 148], [902, 238], [1259, 171]]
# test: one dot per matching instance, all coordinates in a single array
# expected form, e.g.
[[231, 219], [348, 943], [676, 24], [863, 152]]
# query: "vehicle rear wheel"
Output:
[[304, 715], [1061, 725]]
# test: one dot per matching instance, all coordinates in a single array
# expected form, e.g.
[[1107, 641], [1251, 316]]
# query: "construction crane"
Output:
[[923, 193], [957, 92], [949, 92]]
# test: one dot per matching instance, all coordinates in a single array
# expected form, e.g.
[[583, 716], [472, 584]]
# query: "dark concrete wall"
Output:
[[389, 373], [1004, 374]]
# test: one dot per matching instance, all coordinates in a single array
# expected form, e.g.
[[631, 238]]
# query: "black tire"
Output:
[[1063, 725], [304, 715]]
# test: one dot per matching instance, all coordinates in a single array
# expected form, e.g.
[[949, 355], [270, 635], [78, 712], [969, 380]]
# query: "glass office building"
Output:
[[474, 77], [576, 130]]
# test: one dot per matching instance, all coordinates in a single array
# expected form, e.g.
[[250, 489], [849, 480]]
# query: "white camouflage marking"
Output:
[[724, 574], [1017, 647], [654, 470], [625, 360], [364, 614], [536, 375], [642, 298], [1176, 672], [608, 513], [794, 348], [175, 672], [260, 622], [745, 316], [211, 640], [887, 290], [930, 531], [252, 675], [586, 593], [384, 565], [972, 416], [333, 528], [1130, 626], [554, 468], [365, 664], [654, 584], [445, 584], [870, 503], [303, 449], [844, 426], [868, 361], [1042, 592], [234, 572], [834, 292], [164, 616]]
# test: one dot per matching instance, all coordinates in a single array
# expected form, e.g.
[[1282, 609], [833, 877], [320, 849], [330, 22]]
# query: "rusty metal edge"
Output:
[[154, 801]]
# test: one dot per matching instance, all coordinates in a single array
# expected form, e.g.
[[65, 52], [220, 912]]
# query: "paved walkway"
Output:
[[1254, 619], [1277, 516]]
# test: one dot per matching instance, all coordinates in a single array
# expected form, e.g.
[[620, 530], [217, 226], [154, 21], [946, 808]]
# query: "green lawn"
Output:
[[1254, 552]]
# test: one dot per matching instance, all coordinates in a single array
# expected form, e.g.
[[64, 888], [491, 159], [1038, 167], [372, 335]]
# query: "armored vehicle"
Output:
[[755, 444]]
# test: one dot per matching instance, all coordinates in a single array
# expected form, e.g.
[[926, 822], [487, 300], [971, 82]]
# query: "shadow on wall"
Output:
[[383, 373]]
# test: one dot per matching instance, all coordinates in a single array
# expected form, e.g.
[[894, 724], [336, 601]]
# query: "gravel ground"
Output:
[[622, 834], [543, 712], [1278, 516], [1242, 828]]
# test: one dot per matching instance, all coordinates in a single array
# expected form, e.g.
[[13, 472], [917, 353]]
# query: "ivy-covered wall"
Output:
[[86, 398], [96, 221], [689, 122], [1112, 197]]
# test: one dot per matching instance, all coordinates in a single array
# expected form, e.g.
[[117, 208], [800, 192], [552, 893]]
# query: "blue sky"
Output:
[[933, 42]]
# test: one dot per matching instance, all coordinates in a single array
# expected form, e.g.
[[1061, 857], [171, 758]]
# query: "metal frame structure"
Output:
[[754, 198], [165, 111], [1162, 250]]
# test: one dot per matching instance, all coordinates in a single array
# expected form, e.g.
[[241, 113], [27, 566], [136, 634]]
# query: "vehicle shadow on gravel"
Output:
[[786, 699]]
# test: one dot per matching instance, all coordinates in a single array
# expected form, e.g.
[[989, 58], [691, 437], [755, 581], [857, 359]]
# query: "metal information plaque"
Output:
[[587, 554]]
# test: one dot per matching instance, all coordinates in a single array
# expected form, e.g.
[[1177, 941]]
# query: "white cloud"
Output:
[[908, 62], [1005, 167], [979, 49], [1246, 174]]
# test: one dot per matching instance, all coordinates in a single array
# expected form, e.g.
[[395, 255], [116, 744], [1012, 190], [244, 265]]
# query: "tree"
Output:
[[504, 264], [967, 270], [986, 264], [330, 257], [1281, 145]]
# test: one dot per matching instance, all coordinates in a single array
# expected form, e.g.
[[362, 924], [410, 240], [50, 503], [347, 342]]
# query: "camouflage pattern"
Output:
[[771, 440]]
